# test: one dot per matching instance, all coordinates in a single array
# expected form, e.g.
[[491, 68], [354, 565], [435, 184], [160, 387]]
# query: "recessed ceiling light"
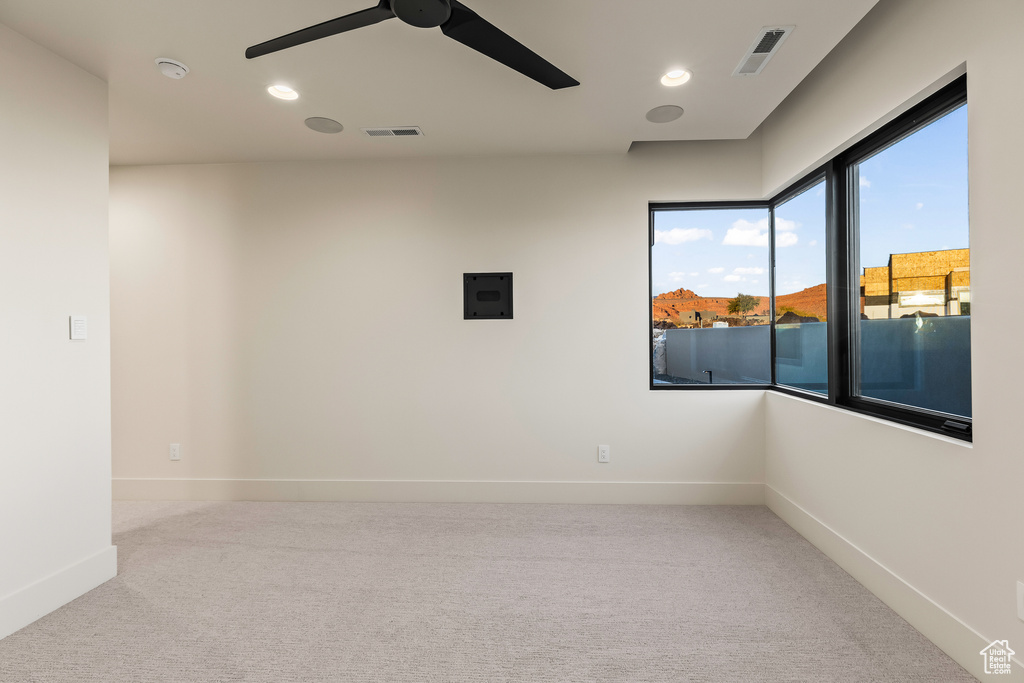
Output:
[[676, 77], [283, 92], [664, 114]]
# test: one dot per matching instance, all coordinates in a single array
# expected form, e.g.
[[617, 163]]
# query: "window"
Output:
[[909, 217], [710, 296], [851, 287], [801, 292]]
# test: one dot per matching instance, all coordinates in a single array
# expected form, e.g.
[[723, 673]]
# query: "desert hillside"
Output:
[[809, 302]]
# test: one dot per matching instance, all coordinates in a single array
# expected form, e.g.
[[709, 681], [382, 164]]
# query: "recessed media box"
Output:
[[487, 296]]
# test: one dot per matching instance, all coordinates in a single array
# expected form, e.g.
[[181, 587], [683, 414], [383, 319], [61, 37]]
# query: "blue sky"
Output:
[[712, 252], [913, 197]]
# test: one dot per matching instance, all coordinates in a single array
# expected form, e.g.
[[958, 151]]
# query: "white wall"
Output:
[[304, 322], [896, 505], [54, 393]]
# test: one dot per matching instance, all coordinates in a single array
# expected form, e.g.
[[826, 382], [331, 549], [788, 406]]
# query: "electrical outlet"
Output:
[[175, 451], [1020, 600], [604, 453]]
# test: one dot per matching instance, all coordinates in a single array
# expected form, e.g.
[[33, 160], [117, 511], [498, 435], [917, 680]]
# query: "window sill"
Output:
[[853, 414]]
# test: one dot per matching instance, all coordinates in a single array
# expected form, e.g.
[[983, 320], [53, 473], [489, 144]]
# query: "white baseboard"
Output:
[[420, 491], [21, 608], [952, 636]]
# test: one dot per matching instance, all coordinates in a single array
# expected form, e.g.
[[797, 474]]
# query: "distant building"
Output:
[[935, 282], [697, 316]]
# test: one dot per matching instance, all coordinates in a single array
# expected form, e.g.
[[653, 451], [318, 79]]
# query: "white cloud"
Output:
[[676, 277], [920, 205], [749, 271], [783, 225], [753, 282], [864, 182], [716, 270], [681, 235], [812, 243], [732, 278], [694, 274], [786, 239], [703, 286], [746, 234]]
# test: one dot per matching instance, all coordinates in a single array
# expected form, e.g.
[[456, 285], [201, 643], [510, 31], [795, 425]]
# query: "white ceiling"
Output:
[[392, 74]]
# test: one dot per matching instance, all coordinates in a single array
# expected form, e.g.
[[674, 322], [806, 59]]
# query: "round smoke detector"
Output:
[[664, 113], [323, 125], [171, 68]]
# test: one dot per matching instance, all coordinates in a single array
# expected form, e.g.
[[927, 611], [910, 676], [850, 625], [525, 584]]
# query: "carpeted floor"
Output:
[[358, 592]]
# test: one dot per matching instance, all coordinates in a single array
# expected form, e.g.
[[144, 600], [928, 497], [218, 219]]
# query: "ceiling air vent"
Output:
[[763, 48], [400, 132]]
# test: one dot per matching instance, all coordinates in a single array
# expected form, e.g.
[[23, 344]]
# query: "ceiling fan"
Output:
[[456, 21]]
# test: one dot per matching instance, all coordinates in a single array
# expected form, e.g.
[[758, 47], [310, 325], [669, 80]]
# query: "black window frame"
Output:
[[799, 187], [655, 207], [841, 270]]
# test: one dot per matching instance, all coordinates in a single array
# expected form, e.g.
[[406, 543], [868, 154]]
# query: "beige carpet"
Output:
[[424, 592]]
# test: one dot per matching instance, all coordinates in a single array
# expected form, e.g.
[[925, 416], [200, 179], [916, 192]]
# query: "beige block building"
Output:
[[937, 282]]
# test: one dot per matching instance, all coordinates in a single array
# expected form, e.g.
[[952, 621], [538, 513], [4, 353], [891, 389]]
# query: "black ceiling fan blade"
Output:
[[349, 22], [470, 29]]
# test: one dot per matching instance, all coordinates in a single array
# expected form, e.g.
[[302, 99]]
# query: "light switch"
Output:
[[79, 327]]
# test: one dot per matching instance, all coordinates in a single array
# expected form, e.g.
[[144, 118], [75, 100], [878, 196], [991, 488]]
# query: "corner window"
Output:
[[851, 287]]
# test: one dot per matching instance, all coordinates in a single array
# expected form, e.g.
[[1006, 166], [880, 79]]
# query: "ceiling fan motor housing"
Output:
[[422, 13]]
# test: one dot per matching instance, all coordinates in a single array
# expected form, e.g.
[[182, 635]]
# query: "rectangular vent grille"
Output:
[[762, 50], [752, 66], [768, 41], [400, 132]]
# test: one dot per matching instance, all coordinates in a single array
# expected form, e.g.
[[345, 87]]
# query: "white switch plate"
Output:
[[175, 451], [604, 453], [79, 327], [1020, 600]]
